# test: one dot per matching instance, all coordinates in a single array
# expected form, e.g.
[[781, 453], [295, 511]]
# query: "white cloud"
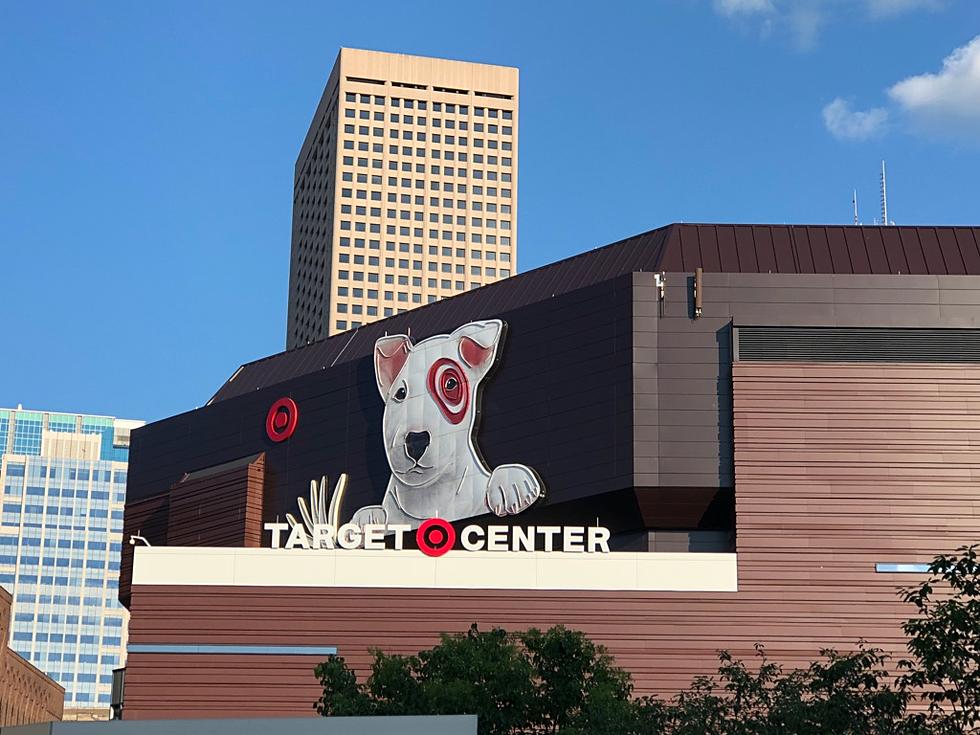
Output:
[[806, 20], [949, 100], [886, 8], [743, 7], [848, 124], [803, 21]]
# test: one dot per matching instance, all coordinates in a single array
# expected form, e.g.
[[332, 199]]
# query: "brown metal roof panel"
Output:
[[690, 248], [840, 258], [891, 247], [745, 247], [820, 250], [783, 251], [670, 257], [875, 249], [857, 250], [951, 251], [727, 249], [913, 251], [933, 254], [708, 247], [969, 248], [802, 251], [764, 251]]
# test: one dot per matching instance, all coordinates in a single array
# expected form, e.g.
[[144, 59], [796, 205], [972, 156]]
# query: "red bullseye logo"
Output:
[[435, 537], [280, 422]]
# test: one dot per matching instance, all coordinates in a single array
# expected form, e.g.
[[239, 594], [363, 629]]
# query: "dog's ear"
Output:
[[390, 354], [478, 343]]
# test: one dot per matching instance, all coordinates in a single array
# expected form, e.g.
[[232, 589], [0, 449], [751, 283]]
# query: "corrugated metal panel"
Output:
[[675, 248], [858, 344]]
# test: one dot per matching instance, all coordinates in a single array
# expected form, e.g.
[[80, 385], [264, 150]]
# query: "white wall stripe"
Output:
[[653, 571]]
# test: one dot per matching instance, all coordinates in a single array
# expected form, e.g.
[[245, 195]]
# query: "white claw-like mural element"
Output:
[[324, 507]]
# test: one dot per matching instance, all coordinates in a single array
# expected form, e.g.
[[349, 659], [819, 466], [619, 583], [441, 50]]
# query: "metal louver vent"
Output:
[[861, 344]]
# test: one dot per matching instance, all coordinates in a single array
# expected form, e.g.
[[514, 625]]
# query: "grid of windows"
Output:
[[61, 423], [422, 180], [4, 430], [27, 433], [60, 548]]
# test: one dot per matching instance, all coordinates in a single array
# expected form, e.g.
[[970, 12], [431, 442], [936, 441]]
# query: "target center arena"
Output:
[[699, 438]]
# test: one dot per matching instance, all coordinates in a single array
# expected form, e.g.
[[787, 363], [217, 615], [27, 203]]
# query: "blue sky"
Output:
[[146, 152]]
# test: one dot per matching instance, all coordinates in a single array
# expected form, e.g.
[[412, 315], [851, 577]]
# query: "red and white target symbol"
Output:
[[435, 537], [448, 386], [280, 422]]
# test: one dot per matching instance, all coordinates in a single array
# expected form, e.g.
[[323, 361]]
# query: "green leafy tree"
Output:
[[944, 642], [532, 682], [841, 693]]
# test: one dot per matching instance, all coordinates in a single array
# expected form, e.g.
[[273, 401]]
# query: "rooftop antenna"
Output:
[[884, 196], [854, 201]]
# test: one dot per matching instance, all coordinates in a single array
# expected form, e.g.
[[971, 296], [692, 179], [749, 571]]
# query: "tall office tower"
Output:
[[64, 488], [405, 190]]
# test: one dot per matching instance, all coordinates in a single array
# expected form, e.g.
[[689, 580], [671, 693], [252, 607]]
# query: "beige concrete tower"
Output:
[[405, 190]]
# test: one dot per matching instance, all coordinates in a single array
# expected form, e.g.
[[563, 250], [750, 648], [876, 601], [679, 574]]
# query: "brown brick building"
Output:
[[776, 424], [27, 696]]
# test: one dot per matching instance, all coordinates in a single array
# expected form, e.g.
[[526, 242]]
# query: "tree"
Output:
[[532, 682], [845, 694], [944, 642]]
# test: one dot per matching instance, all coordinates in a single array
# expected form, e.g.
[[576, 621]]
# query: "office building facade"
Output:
[[405, 190], [64, 487]]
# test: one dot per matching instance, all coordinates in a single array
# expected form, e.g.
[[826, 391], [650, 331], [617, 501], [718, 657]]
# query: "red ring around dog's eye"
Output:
[[448, 387]]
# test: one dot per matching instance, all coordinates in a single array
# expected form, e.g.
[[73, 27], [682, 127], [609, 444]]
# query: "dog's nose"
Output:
[[416, 442]]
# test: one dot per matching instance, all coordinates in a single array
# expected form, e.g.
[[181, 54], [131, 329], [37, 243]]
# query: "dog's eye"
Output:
[[401, 393], [451, 384]]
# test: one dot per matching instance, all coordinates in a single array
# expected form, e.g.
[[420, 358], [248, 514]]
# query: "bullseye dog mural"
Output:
[[431, 392]]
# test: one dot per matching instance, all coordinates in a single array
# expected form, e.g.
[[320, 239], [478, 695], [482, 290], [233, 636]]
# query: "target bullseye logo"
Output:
[[280, 422], [435, 537]]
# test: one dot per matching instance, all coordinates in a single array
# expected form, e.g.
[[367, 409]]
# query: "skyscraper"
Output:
[[405, 190], [64, 488]]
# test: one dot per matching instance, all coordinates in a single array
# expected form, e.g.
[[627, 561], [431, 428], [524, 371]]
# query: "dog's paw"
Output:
[[512, 488], [370, 515]]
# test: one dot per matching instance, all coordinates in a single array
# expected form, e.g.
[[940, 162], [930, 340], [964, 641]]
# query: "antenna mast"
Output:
[[884, 196], [854, 201]]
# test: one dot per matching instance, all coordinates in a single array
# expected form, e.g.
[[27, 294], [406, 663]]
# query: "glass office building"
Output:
[[64, 487]]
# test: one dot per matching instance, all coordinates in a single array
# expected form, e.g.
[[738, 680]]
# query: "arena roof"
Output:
[[675, 248]]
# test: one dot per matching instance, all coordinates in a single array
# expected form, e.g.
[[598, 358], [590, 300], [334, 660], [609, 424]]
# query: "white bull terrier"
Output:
[[432, 392]]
